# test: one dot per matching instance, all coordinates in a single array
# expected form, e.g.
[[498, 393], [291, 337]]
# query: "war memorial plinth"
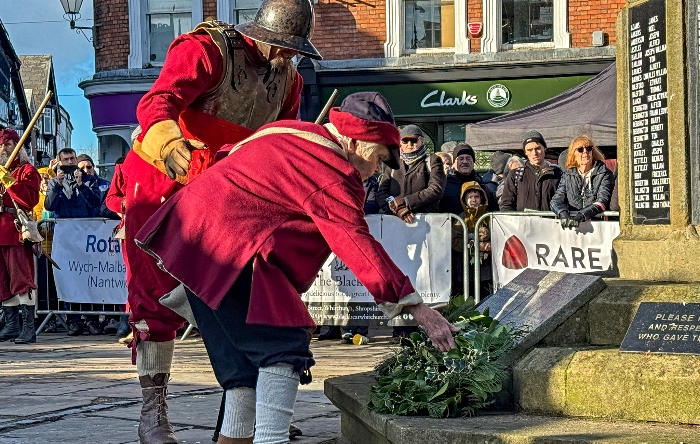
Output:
[[571, 382]]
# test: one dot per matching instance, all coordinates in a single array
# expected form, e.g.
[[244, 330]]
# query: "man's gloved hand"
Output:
[[578, 218], [398, 206], [565, 219], [176, 157]]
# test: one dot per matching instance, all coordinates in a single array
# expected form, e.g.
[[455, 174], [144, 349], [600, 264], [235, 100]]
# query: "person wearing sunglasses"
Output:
[[585, 188]]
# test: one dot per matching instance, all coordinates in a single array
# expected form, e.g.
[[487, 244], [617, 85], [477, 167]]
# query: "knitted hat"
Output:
[[367, 116], [8, 134], [498, 161], [462, 148], [534, 136], [411, 130]]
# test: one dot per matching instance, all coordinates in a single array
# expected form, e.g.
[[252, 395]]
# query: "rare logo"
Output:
[[514, 254]]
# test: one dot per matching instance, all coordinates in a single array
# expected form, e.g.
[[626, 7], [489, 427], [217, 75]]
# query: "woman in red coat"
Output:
[[292, 193]]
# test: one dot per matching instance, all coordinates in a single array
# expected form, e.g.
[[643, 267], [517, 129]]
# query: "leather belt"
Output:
[[4, 209]]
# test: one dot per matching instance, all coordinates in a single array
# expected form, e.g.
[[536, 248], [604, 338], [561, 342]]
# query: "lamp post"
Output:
[[72, 13]]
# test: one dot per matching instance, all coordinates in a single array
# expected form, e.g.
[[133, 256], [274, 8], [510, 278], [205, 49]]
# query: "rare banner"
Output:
[[421, 250], [92, 267], [520, 242]]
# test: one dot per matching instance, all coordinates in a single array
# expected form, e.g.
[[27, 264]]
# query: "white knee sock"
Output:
[[26, 298], [276, 394], [239, 413], [154, 357], [12, 302]]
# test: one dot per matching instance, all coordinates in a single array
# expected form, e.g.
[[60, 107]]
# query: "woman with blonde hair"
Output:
[[586, 185]]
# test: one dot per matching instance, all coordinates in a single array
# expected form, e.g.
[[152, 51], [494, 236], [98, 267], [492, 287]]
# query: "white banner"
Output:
[[421, 250], [520, 242], [92, 266]]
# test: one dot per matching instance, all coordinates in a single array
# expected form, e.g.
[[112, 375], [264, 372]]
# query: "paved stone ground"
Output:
[[85, 390]]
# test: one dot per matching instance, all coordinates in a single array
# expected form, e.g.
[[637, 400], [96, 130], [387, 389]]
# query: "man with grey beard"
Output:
[[218, 85]]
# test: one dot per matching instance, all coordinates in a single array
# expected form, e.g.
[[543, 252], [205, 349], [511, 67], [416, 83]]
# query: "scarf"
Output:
[[414, 156]]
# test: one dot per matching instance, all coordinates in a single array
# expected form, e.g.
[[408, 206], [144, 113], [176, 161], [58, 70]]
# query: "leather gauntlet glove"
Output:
[[176, 158]]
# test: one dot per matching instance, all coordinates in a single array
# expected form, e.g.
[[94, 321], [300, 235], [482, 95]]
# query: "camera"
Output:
[[69, 170]]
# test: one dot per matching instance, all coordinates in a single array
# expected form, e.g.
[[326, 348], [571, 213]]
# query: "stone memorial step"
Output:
[[359, 426], [610, 313], [605, 383]]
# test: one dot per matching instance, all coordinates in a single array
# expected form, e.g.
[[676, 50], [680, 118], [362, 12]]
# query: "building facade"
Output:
[[14, 109], [441, 63], [52, 131]]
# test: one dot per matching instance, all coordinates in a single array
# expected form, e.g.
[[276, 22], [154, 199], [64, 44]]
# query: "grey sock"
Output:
[[276, 394], [239, 413], [154, 357]]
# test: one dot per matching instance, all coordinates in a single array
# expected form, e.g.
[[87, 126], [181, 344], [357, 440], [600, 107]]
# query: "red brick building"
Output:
[[428, 56]]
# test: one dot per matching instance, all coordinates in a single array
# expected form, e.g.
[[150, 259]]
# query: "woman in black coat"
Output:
[[585, 188]]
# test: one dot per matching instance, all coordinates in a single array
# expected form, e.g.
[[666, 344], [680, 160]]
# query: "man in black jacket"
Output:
[[419, 182], [532, 186], [462, 172]]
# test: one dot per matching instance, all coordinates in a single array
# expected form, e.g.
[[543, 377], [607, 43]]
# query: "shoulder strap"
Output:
[[306, 135]]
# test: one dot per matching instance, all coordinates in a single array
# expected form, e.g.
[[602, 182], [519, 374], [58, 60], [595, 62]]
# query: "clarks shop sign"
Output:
[[465, 98]]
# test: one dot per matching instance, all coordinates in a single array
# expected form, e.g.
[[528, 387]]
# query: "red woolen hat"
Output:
[[367, 116], [8, 134]]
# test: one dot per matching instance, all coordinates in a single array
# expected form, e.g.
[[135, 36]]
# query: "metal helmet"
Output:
[[284, 23]]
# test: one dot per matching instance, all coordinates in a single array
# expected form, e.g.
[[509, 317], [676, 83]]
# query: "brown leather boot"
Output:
[[226, 440], [154, 425]]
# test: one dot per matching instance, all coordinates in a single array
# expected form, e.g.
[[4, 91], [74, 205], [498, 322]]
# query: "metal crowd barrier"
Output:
[[477, 264], [54, 307]]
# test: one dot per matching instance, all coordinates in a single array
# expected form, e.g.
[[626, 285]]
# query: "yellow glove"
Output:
[[164, 141]]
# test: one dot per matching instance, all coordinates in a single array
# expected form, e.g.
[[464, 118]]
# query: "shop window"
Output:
[[244, 10], [528, 21], [415, 26], [167, 19], [154, 24], [523, 24], [429, 24]]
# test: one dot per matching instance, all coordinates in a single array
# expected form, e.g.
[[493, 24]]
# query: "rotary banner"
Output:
[[520, 242], [92, 266]]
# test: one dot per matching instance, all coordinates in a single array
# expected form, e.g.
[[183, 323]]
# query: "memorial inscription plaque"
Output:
[[693, 118], [664, 327], [540, 301], [649, 114]]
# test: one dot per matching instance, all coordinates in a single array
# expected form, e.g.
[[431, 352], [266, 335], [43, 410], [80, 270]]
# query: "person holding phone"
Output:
[[67, 195]]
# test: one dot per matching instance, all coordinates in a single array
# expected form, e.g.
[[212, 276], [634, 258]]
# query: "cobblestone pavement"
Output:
[[85, 390]]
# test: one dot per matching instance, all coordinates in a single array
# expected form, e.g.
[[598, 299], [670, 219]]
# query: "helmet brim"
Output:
[[300, 44]]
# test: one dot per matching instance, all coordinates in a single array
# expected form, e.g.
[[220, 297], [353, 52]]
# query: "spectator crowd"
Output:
[[576, 189]]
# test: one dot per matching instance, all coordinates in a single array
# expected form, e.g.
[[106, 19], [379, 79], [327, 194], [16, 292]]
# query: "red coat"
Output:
[[116, 195], [25, 192], [284, 203]]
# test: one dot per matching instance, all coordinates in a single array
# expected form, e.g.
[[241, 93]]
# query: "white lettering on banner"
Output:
[[450, 101], [418, 249], [520, 242], [92, 266]]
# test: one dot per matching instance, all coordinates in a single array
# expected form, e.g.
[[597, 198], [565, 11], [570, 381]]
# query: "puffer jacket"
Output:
[[571, 196]]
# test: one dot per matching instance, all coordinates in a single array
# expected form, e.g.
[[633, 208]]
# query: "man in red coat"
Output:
[[16, 260], [218, 85], [290, 194]]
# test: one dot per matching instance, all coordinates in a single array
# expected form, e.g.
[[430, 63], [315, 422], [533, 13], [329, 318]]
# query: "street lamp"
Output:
[[72, 13]]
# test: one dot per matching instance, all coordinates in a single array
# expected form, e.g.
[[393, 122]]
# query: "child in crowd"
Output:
[[474, 203]]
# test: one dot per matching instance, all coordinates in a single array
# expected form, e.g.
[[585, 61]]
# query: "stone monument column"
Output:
[[657, 163]]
